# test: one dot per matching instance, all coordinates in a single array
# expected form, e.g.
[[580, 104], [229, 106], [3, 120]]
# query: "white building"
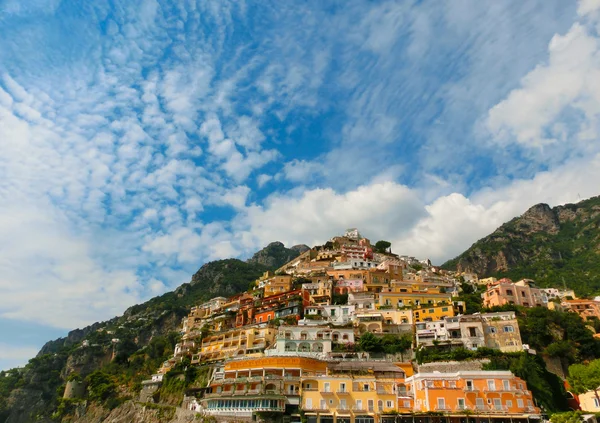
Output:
[[309, 340]]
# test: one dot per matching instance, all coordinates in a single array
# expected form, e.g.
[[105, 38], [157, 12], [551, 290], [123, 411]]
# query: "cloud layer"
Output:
[[169, 133]]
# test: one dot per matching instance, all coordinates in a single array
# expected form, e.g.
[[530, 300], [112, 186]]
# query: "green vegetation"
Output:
[[217, 278], [472, 299], [583, 378], [389, 344], [570, 257], [382, 247], [567, 417]]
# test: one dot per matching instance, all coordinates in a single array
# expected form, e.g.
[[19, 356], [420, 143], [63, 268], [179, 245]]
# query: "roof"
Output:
[[375, 366]]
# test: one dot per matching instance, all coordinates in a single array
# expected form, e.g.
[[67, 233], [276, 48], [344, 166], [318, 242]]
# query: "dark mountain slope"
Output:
[[554, 246]]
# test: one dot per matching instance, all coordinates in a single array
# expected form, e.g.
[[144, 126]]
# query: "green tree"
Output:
[[370, 343], [101, 386], [584, 378], [382, 246], [568, 417]]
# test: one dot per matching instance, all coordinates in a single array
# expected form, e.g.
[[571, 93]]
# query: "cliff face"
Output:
[[554, 246], [276, 255], [131, 412]]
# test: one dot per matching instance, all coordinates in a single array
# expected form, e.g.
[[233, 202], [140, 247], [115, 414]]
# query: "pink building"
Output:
[[344, 286], [505, 291]]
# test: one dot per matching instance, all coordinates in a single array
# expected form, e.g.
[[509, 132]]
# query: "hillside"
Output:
[[147, 334], [554, 246], [276, 254]]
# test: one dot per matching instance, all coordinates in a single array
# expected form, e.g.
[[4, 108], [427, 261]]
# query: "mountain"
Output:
[[276, 254], [147, 334], [553, 246]]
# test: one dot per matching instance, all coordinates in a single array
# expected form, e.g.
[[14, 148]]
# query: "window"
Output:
[[332, 312], [506, 385], [509, 292], [596, 403], [308, 404], [508, 404], [345, 311], [371, 405], [472, 332], [326, 387], [529, 403], [441, 404], [479, 403], [491, 385], [492, 329], [469, 385], [497, 404], [519, 403], [390, 404], [509, 328], [461, 403], [365, 387], [359, 404], [343, 405], [444, 308], [342, 387], [323, 405], [406, 404], [380, 406]]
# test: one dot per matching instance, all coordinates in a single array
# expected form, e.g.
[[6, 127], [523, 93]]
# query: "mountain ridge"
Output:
[[551, 245]]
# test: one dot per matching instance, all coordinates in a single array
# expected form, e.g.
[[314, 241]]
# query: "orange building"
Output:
[[278, 285], [523, 293], [587, 309], [480, 392]]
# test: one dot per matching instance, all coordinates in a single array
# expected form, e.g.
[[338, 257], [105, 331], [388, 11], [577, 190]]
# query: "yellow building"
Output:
[[355, 391], [235, 342], [278, 285], [589, 402], [409, 297], [319, 292], [432, 313]]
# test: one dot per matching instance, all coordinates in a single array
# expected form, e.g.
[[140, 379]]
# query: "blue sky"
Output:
[[142, 138]]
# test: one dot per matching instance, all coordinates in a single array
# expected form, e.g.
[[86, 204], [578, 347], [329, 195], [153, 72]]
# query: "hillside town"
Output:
[[333, 336]]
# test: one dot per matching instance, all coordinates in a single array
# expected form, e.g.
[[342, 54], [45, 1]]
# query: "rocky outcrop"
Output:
[[276, 255], [132, 412], [551, 245]]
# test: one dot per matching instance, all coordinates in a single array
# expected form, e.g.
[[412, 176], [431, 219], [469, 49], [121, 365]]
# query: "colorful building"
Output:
[[268, 384], [355, 392], [523, 293], [487, 393], [278, 285], [587, 309], [235, 342]]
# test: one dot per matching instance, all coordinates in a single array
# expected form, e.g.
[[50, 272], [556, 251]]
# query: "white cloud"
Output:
[[454, 222], [554, 98], [315, 215]]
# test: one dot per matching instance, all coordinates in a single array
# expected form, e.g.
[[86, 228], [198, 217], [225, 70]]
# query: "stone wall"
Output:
[[452, 366]]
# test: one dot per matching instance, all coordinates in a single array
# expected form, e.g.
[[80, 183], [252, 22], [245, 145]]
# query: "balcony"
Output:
[[343, 410], [316, 408], [442, 408], [359, 409], [327, 392], [343, 392]]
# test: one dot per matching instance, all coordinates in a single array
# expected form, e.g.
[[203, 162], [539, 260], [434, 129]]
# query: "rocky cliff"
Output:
[[276, 255], [554, 246]]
